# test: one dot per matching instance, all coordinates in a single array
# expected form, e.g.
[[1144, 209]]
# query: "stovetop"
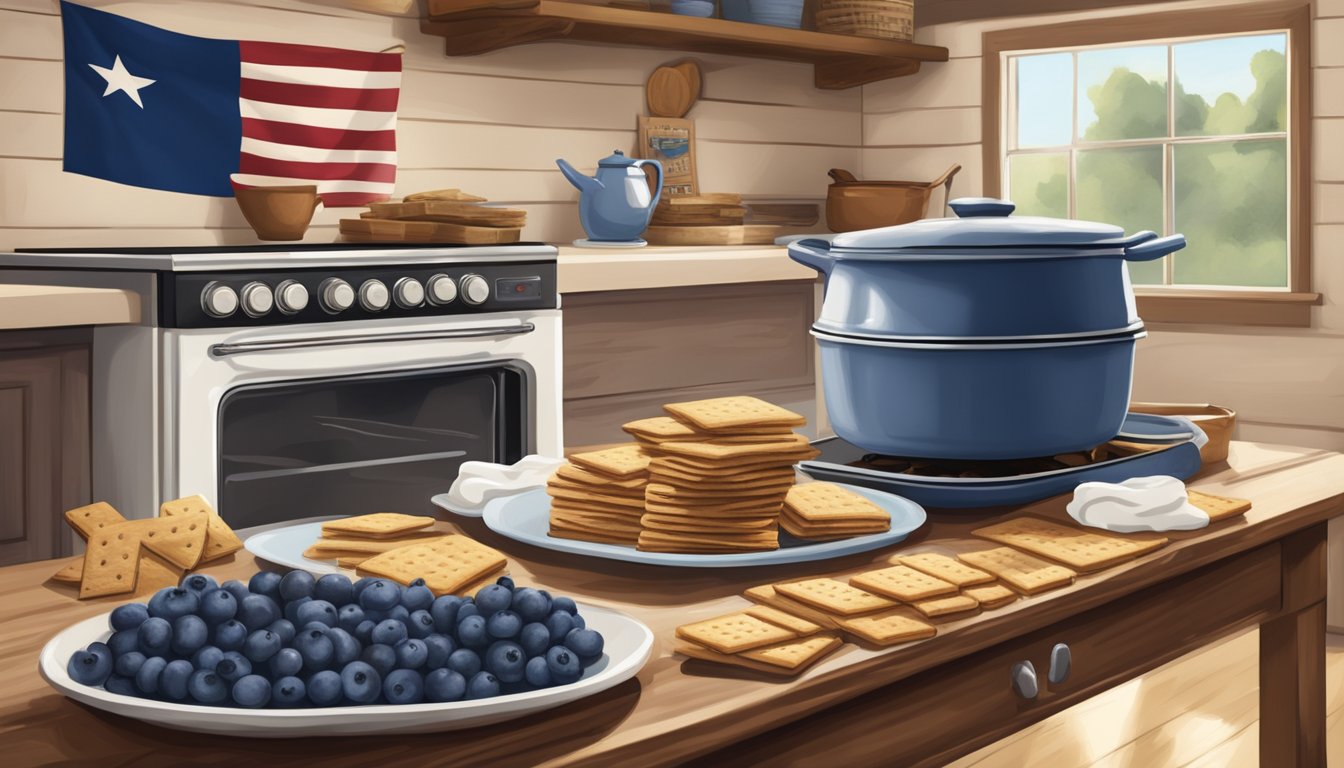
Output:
[[214, 258]]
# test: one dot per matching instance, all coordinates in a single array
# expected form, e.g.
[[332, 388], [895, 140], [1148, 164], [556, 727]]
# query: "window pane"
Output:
[[1124, 187], [1039, 184], [1232, 207], [1231, 85], [1122, 93], [1044, 106]]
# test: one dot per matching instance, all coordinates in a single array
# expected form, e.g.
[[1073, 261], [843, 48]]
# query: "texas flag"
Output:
[[158, 109]]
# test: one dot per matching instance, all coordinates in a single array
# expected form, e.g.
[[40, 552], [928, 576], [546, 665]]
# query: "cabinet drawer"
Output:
[[938, 715]]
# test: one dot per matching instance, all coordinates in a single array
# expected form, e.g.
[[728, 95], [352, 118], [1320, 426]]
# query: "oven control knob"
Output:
[[373, 296], [257, 299], [408, 293], [475, 290], [441, 289], [336, 295], [219, 300], [291, 297]]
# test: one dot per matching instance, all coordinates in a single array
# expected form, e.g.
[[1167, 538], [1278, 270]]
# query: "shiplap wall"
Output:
[[1286, 384], [490, 124]]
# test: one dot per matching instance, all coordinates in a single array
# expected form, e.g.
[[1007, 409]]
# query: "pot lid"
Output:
[[616, 159], [982, 222]]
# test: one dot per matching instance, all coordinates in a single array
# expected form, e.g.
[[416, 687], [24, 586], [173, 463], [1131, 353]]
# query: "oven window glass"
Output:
[[345, 446]]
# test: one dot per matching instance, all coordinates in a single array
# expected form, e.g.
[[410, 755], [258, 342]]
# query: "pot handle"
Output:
[[841, 176], [813, 253], [1154, 249], [1201, 438]]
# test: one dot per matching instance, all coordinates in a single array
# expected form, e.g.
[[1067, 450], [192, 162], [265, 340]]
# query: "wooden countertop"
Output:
[[48, 306], [622, 269], [676, 708]]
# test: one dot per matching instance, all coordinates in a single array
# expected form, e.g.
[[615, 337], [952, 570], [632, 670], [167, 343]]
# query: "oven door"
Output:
[[280, 424]]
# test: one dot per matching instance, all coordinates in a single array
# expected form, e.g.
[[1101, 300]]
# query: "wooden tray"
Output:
[[751, 234], [395, 230], [450, 211]]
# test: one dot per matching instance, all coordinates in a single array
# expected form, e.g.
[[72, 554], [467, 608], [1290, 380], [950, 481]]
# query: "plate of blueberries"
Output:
[[296, 655]]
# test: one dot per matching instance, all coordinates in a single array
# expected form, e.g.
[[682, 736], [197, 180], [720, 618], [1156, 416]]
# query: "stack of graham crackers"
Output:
[[142, 556], [599, 495], [449, 565], [352, 540], [827, 512], [760, 638]]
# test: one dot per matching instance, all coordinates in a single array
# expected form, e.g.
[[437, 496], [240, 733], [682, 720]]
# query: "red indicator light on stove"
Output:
[[520, 288]]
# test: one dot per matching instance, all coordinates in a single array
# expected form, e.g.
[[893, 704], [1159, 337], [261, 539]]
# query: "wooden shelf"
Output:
[[472, 27]]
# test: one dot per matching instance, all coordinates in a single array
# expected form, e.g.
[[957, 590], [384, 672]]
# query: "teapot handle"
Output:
[[658, 187]]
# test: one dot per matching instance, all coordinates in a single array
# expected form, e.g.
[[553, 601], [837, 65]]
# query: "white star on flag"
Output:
[[118, 79]]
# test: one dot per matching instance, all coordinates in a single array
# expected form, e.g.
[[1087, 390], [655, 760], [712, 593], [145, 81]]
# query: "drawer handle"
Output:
[[1024, 680], [1061, 661]]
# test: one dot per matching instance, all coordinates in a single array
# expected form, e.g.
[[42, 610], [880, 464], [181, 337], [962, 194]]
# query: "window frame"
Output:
[[1177, 304]]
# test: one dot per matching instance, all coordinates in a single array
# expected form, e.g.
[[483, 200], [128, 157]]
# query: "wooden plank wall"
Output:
[[491, 124], [1286, 384]]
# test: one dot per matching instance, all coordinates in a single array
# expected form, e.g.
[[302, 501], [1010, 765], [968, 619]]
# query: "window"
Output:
[[1203, 131]]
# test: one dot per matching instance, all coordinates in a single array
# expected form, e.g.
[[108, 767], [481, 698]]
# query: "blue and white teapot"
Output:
[[617, 203]]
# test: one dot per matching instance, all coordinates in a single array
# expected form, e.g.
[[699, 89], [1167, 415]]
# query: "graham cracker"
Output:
[[990, 596], [664, 427], [351, 561], [799, 626], [835, 597], [796, 445], [653, 520], [584, 477], [734, 632], [678, 493], [1024, 573], [154, 573], [765, 594], [92, 517], [795, 655], [945, 606], [111, 559], [378, 524], [722, 413], [72, 573], [445, 564], [561, 531], [366, 546], [1218, 507], [740, 508], [691, 650], [585, 496], [712, 468], [826, 502], [903, 583], [220, 540], [781, 477], [1082, 550], [943, 567], [623, 461], [482, 583], [899, 625], [598, 491], [646, 543], [180, 540]]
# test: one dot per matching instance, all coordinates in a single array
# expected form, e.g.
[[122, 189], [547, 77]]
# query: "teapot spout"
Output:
[[583, 183]]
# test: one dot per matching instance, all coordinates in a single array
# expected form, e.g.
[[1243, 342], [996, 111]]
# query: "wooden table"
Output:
[[921, 703]]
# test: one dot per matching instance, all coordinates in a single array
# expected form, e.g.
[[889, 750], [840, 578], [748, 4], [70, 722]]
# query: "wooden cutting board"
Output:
[[784, 214], [734, 235], [395, 230], [451, 212]]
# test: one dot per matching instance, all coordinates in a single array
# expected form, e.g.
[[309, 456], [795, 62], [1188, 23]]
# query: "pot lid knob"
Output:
[[968, 207], [616, 159]]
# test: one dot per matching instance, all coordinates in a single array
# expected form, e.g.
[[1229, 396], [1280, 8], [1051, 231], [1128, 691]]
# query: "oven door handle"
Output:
[[224, 350]]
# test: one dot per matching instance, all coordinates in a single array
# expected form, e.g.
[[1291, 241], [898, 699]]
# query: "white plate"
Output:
[[525, 517], [628, 643], [285, 543]]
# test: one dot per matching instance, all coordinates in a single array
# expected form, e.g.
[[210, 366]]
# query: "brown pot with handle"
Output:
[[852, 204]]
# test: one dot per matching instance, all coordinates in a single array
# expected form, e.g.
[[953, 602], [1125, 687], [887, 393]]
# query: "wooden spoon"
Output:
[[668, 93]]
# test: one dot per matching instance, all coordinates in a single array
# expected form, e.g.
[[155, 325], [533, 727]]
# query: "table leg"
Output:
[[1292, 660]]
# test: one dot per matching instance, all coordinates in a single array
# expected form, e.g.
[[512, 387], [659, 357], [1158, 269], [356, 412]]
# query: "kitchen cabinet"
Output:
[[44, 439], [471, 27]]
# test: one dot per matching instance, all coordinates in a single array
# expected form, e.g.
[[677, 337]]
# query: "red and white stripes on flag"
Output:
[[324, 116]]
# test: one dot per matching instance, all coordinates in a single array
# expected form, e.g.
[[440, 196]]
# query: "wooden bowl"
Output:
[[1216, 421], [278, 213]]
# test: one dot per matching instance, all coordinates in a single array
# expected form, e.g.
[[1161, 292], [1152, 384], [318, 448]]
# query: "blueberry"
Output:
[[198, 583], [296, 584], [360, 682], [90, 667], [236, 588], [444, 685], [404, 686], [559, 624], [444, 612], [147, 678], [233, 667], [345, 648], [382, 658], [121, 685], [396, 613], [335, 588], [531, 604], [417, 598], [416, 583], [411, 654], [471, 632], [564, 665], [127, 664], [586, 643], [291, 611], [505, 581], [313, 626], [173, 680], [380, 595], [207, 657], [128, 616], [189, 635], [579, 623], [364, 632], [506, 660], [389, 632], [438, 647], [285, 629], [535, 638], [504, 625], [324, 688], [317, 610], [420, 624], [349, 617], [288, 691], [483, 685], [261, 646], [207, 687], [359, 586], [257, 612], [284, 663], [156, 636], [493, 598], [465, 662], [171, 602], [538, 672], [316, 648], [252, 691], [264, 583], [229, 636], [124, 641], [217, 606], [565, 604]]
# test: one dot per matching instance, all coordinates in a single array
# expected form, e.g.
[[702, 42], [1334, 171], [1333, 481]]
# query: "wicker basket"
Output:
[[888, 19]]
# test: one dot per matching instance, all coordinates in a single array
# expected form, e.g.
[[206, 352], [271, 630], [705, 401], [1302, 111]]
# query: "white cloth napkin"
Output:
[[480, 481], [1157, 503]]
